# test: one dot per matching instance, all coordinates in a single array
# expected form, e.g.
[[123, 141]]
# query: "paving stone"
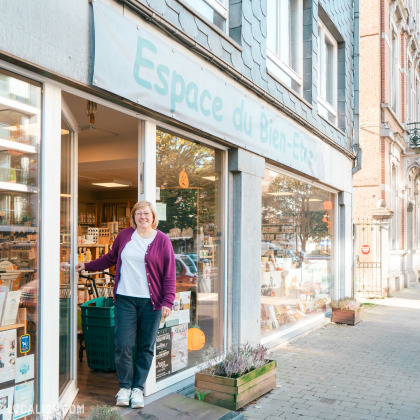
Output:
[[325, 375]]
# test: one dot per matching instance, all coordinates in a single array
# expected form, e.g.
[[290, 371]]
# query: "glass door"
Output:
[[67, 235]]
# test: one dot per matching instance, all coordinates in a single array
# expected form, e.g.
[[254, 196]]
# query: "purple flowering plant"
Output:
[[237, 361]]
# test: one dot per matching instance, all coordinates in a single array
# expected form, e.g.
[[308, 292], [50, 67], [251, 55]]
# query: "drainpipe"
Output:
[[357, 164]]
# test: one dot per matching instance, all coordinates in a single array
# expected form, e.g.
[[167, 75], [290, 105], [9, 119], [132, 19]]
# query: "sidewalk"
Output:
[[369, 371]]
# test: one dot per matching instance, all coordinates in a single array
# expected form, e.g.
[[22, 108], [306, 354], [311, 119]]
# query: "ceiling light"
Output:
[[65, 195], [63, 132], [110, 184], [314, 199], [280, 193], [210, 178]]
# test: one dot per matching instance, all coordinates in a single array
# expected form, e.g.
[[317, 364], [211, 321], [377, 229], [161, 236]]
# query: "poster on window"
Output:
[[173, 318], [184, 307], [24, 400], [7, 355], [179, 348], [163, 353], [6, 403], [25, 368]]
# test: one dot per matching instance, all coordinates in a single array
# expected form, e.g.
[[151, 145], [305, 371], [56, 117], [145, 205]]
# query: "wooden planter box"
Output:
[[234, 393], [347, 316]]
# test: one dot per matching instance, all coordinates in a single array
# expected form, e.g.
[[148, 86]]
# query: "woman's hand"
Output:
[[165, 311], [80, 266]]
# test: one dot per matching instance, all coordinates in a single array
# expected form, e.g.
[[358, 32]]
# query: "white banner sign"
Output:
[[135, 61]]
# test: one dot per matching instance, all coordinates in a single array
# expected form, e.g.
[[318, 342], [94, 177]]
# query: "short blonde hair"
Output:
[[141, 205]]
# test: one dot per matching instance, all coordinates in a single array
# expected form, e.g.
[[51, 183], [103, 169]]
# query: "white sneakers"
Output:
[[137, 399], [123, 397], [126, 395]]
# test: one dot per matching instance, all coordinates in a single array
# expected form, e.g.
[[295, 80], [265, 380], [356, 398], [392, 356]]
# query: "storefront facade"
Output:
[[248, 161]]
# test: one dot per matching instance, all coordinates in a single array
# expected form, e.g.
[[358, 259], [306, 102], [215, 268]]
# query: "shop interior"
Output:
[[188, 179]]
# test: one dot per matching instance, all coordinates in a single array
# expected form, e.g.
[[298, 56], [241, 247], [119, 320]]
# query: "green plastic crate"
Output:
[[98, 312], [98, 325]]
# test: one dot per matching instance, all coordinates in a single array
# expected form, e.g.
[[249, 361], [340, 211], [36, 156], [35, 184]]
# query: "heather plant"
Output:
[[236, 362], [345, 303]]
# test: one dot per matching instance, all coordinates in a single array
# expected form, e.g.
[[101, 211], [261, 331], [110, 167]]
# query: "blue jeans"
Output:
[[134, 317]]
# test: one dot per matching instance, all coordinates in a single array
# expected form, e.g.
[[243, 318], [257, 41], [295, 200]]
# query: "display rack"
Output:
[[20, 324]]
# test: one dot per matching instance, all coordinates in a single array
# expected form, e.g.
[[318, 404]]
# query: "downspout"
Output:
[[357, 163]]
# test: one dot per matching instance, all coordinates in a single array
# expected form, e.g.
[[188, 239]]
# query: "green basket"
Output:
[[99, 312], [98, 325]]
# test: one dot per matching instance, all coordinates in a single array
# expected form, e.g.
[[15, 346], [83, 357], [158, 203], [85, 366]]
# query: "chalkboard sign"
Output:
[[163, 353]]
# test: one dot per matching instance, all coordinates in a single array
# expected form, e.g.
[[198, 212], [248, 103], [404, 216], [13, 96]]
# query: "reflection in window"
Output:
[[296, 251], [188, 180]]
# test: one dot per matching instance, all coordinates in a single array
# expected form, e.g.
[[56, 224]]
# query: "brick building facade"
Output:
[[386, 188]]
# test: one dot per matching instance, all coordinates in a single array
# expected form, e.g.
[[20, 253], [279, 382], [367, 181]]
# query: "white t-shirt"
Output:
[[133, 280]]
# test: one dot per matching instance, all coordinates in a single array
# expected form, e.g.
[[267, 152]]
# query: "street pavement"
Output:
[[367, 371]]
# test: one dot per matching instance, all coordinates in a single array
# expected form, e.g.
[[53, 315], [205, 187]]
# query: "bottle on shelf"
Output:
[[88, 255], [81, 256]]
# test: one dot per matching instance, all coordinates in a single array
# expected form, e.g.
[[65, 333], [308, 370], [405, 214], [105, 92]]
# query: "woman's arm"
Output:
[[104, 262], [169, 274]]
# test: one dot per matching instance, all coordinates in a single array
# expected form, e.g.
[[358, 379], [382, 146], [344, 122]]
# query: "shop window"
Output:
[[327, 68], [284, 41], [188, 203], [214, 11], [20, 134], [297, 251]]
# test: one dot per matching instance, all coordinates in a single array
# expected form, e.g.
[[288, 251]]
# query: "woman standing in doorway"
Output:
[[144, 291]]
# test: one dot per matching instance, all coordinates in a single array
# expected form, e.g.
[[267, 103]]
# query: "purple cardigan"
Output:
[[159, 261]]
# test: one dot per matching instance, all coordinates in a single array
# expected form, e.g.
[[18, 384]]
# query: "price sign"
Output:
[[365, 249]]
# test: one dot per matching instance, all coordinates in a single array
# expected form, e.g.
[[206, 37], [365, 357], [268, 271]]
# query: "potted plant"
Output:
[[238, 377], [346, 310]]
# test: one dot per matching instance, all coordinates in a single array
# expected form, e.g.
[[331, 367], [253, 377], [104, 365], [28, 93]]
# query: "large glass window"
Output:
[[296, 251], [188, 202], [20, 133], [284, 41]]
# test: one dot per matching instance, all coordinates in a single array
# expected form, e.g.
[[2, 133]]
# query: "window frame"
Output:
[[279, 67], [325, 35], [218, 6], [417, 102]]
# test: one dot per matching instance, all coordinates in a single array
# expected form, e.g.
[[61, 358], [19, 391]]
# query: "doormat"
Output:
[[182, 408]]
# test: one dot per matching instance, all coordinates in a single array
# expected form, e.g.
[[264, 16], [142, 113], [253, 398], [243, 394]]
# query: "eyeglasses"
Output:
[[139, 214]]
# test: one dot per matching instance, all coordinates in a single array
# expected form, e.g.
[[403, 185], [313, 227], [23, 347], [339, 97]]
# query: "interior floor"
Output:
[[96, 388]]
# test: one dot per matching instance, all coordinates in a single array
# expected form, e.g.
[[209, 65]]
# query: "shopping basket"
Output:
[[98, 326]]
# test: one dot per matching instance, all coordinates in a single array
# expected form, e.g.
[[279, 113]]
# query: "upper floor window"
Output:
[[417, 104], [327, 68], [411, 94], [394, 86], [213, 10], [284, 41]]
